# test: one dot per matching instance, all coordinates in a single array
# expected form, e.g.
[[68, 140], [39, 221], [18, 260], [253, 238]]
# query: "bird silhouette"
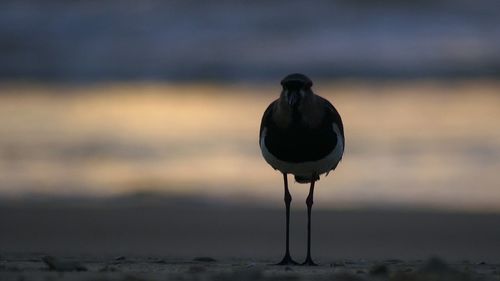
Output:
[[301, 134]]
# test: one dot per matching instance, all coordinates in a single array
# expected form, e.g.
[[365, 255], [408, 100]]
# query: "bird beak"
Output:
[[293, 98]]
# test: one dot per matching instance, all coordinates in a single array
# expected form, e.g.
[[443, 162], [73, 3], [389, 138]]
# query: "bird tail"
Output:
[[306, 179]]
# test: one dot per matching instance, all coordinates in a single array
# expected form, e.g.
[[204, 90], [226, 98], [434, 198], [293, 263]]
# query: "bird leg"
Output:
[[287, 259], [309, 203]]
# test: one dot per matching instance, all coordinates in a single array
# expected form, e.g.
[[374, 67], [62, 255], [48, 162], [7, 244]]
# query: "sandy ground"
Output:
[[31, 267], [159, 240]]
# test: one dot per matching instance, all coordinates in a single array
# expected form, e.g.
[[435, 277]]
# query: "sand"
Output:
[[32, 267], [157, 239]]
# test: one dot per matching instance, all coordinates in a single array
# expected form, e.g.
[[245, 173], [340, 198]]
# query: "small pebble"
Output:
[[204, 259], [393, 261], [379, 270], [108, 268], [338, 263], [240, 275], [408, 270], [435, 265], [62, 265], [10, 268], [196, 269], [344, 276]]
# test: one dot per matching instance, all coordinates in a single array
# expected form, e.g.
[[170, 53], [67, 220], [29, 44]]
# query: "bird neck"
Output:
[[308, 113]]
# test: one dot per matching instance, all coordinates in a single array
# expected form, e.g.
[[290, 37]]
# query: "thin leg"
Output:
[[309, 202], [287, 259]]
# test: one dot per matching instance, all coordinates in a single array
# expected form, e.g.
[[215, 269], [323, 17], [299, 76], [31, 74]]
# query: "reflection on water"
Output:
[[408, 143]]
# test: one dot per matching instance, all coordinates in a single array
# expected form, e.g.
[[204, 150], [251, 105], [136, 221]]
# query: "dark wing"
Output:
[[266, 118], [334, 117]]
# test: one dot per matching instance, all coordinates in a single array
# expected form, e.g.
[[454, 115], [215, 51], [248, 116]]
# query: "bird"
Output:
[[301, 134]]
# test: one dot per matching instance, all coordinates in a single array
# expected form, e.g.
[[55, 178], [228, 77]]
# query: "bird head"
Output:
[[296, 88]]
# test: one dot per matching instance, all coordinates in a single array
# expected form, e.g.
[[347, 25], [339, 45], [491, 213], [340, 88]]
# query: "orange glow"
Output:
[[407, 143]]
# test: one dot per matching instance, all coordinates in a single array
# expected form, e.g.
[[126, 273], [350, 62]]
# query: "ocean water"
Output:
[[241, 41], [420, 144]]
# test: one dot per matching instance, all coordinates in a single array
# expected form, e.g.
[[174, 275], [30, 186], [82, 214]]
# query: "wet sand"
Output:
[[158, 238], [30, 267]]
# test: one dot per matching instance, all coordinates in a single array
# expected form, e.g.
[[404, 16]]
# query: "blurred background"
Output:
[[160, 101]]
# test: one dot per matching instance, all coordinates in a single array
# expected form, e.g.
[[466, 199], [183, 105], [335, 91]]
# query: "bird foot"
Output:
[[309, 262], [287, 260]]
